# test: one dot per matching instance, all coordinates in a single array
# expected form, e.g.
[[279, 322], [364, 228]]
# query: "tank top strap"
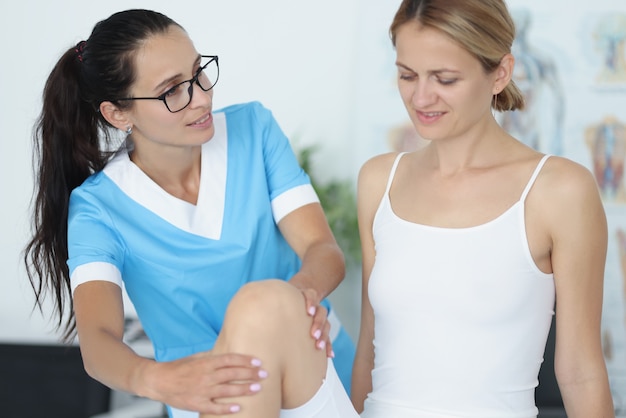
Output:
[[534, 177], [392, 173]]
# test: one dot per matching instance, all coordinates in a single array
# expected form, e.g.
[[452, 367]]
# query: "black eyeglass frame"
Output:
[[191, 82]]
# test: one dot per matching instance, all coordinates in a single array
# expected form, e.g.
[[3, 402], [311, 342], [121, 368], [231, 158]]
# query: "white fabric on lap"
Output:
[[330, 401]]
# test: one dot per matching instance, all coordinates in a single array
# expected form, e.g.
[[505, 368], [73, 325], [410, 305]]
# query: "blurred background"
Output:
[[326, 70]]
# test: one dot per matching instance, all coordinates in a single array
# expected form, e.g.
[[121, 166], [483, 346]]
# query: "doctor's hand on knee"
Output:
[[320, 329], [201, 382]]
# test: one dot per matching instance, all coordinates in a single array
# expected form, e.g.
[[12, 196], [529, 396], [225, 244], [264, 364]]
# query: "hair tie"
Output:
[[80, 47]]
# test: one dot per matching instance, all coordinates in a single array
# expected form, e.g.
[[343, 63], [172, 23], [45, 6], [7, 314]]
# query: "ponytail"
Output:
[[72, 141], [511, 98], [67, 151]]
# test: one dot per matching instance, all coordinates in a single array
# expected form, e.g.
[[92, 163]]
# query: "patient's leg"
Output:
[[268, 319]]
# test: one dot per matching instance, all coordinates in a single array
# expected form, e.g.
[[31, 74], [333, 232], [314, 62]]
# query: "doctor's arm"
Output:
[[323, 267], [191, 383]]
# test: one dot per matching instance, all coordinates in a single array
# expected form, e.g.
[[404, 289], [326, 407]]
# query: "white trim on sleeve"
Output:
[[97, 270], [292, 199]]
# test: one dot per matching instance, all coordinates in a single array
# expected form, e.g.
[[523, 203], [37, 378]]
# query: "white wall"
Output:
[[296, 57]]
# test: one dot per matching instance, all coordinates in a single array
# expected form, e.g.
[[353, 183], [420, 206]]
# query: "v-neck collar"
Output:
[[205, 218]]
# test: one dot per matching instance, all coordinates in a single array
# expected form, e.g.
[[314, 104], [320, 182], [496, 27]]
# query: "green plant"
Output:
[[338, 200]]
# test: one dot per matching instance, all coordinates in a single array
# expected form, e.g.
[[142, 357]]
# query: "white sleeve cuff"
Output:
[[292, 199], [95, 271]]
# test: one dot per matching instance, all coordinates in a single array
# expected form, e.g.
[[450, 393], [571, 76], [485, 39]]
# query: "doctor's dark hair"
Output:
[[72, 140], [484, 28]]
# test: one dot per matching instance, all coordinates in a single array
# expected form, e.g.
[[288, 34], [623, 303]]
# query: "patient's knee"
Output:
[[266, 299]]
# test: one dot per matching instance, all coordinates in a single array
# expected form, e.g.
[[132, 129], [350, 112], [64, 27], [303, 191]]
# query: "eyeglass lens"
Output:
[[180, 96]]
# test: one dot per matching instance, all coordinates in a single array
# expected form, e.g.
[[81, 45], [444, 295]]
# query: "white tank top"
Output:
[[461, 317]]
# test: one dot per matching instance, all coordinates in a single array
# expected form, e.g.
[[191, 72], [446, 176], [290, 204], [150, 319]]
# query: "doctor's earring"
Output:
[[129, 130]]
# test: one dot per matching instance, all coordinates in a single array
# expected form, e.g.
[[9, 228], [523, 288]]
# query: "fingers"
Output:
[[320, 329], [219, 409], [329, 350], [208, 382], [324, 341], [230, 360], [328, 344], [246, 375], [312, 301], [217, 404], [232, 380]]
